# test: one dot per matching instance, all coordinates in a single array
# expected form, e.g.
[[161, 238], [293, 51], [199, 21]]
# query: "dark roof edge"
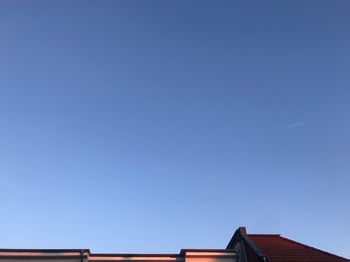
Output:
[[241, 235], [236, 237], [255, 248], [47, 250], [185, 250], [205, 250]]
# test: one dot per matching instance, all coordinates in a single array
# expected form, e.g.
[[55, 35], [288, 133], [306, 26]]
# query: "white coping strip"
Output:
[[34, 254], [205, 254]]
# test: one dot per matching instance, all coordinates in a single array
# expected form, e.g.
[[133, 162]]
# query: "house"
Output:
[[275, 248], [242, 247]]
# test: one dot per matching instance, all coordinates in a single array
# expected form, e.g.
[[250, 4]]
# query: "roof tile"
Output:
[[280, 249]]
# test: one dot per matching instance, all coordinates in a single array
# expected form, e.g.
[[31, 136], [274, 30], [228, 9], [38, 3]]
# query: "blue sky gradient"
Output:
[[150, 126]]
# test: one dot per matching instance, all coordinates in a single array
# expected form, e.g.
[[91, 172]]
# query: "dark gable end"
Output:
[[245, 247]]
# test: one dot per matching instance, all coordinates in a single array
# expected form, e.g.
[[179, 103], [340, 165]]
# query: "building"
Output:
[[275, 248], [242, 247]]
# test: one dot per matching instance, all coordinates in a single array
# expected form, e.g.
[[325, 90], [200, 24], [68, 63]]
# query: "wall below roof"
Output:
[[86, 256]]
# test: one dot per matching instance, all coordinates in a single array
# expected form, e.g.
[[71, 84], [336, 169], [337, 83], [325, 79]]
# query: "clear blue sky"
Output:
[[150, 126]]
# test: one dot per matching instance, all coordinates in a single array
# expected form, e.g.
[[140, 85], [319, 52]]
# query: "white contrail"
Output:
[[296, 124]]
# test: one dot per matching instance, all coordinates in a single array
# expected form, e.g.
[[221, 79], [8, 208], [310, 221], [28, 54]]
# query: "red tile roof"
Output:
[[280, 249]]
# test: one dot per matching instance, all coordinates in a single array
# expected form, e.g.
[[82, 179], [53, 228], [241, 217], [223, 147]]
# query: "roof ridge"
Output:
[[313, 248]]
